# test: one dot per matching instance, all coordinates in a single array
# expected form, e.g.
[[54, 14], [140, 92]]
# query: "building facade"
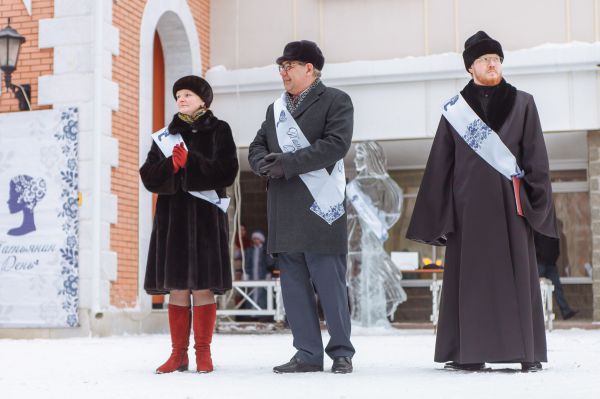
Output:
[[399, 60], [116, 60]]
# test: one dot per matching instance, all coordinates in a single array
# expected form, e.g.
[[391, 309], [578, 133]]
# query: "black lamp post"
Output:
[[10, 46]]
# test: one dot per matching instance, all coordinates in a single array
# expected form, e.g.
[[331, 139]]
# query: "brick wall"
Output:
[[201, 12], [127, 17], [33, 62]]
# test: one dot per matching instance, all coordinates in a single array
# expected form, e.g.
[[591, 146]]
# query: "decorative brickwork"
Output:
[[127, 17], [33, 62]]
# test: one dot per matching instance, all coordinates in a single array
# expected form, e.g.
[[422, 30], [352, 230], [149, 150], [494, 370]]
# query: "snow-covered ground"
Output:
[[395, 363]]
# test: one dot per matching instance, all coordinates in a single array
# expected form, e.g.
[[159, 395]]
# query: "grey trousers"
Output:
[[300, 272]]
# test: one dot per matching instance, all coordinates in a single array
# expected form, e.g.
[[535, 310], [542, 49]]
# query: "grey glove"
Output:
[[273, 167]]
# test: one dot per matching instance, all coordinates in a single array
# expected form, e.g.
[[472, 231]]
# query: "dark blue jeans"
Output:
[[551, 273]]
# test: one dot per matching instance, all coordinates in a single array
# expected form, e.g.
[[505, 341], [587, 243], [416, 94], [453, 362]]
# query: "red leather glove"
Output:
[[180, 155], [176, 166]]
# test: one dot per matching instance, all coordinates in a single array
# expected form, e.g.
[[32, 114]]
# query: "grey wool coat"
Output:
[[326, 117], [491, 307]]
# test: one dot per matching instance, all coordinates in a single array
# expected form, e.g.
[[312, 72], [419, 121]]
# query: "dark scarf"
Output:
[[293, 102], [205, 122], [491, 103], [192, 118]]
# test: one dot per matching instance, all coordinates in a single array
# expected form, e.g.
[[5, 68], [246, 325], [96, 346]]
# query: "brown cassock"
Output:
[[491, 307]]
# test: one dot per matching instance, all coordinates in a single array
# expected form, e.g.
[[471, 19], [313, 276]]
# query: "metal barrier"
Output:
[[245, 289]]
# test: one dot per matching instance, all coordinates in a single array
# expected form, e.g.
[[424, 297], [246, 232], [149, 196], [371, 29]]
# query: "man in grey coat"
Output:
[[310, 242]]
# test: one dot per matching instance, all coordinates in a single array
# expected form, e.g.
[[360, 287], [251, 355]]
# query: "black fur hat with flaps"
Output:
[[480, 44], [197, 85]]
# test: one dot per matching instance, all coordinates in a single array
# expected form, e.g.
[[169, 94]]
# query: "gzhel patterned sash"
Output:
[[484, 141], [166, 141], [327, 190]]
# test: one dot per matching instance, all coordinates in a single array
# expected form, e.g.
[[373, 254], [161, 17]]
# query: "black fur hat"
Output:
[[197, 85], [479, 44], [303, 51]]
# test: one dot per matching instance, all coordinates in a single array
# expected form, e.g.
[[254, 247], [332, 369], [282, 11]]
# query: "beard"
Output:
[[485, 79]]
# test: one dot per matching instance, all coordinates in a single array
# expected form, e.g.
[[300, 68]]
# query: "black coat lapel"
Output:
[[310, 98], [500, 104]]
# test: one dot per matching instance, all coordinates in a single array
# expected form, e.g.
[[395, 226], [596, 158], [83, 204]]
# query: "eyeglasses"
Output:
[[488, 60], [287, 66]]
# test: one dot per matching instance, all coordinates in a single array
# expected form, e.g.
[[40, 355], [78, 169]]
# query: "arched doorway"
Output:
[[171, 26]]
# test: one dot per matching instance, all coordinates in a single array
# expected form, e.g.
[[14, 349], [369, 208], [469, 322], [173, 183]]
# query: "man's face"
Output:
[[257, 242], [487, 70], [296, 76]]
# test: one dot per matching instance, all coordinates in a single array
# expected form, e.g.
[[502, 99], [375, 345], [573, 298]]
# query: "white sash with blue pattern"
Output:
[[327, 190], [166, 142], [480, 137]]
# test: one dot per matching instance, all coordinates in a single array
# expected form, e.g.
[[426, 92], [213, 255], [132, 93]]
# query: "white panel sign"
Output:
[[406, 260], [39, 219]]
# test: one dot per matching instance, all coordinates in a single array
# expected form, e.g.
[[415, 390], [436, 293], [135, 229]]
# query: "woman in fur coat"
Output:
[[188, 256]]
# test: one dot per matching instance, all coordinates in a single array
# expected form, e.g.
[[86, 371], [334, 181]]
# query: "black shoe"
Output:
[[296, 365], [570, 314], [342, 365], [466, 366], [531, 367]]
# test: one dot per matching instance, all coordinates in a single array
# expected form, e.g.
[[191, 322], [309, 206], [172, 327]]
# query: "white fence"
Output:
[[245, 289]]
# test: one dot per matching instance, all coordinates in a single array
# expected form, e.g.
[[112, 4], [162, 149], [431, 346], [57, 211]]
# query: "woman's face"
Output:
[[13, 200], [188, 102]]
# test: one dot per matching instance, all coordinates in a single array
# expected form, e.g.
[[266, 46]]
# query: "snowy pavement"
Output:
[[395, 363]]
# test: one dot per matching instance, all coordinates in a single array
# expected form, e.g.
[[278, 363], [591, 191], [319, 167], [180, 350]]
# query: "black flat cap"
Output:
[[303, 51], [197, 85], [479, 44]]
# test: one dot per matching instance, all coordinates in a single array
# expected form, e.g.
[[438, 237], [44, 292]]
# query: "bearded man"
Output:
[[486, 188]]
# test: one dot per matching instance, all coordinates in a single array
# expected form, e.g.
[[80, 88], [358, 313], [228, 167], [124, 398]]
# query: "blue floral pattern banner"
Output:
[[39, 225]]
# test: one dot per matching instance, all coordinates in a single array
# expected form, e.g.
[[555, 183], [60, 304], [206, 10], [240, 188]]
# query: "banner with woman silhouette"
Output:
[[39, 219]]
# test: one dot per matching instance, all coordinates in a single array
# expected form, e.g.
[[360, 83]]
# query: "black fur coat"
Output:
[[189, 245]]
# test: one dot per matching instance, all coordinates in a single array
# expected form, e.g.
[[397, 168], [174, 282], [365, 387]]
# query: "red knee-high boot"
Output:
[[179, 324], [204, 323]]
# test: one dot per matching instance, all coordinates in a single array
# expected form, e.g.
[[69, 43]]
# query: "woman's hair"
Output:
[[371, 156], [30, 191]]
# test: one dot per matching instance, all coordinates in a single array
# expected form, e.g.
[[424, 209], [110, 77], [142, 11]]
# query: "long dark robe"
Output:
[[491, 307], [189, 245]]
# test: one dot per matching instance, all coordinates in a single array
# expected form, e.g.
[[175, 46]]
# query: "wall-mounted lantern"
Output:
[[10, 46]]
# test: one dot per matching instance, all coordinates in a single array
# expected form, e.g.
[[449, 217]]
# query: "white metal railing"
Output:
[[274, 306], [546, 289]]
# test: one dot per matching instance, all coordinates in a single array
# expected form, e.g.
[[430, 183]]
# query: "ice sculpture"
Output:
[[374, 205]]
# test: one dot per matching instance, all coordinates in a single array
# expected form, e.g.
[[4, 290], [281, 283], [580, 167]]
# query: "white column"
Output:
[[84, 41]]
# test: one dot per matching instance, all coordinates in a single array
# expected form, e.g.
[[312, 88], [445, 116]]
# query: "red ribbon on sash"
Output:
[[517, 189]]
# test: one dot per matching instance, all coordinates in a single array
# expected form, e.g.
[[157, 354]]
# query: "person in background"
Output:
[[239, 246], [547, 251], [258, 266]]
